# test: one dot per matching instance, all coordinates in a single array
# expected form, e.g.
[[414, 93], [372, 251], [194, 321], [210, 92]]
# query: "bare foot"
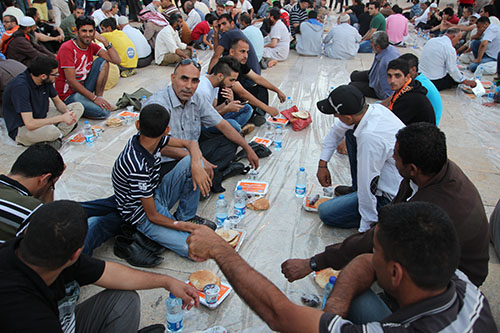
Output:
[[272, 63], [342, 148]]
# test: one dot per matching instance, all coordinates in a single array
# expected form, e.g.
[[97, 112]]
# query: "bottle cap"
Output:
[[239, 187], [302, 169], [172, 295], [278, 126], [333, 279], [86, 121], [221, 196], [288, 97], [143, 96]]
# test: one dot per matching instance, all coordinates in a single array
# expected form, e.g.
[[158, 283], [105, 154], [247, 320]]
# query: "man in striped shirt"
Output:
[[298, 15]]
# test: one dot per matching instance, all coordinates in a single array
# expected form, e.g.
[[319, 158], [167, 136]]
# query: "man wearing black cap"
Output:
[[370, 136]]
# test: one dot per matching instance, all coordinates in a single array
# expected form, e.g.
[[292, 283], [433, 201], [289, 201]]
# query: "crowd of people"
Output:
[[422, 231]]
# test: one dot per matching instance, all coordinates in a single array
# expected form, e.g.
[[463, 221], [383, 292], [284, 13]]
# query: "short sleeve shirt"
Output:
[[136, 175], [206, 90], [199, 30], [124, 47], [378, 22], [229, 37], [23, 95], [246, 7], [71, 56], [492, 35]]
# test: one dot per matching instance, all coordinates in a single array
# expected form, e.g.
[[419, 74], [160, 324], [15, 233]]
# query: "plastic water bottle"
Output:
[[415, 42], [174, 314], [240, 201], [194, 57], [143, 101], [221, 210], [491, 93], [89, 135], [278, 138], [478, 74], [300, 185], [328, 290], [289, 103]]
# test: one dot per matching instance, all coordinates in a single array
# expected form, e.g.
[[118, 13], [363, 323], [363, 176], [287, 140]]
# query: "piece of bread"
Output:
[[259, 204], [323, 276], [200, 279], [114, 122], [319, 202], [227, 234]]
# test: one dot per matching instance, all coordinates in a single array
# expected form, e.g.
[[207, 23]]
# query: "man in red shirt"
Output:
[[202, 33], [81, 78]]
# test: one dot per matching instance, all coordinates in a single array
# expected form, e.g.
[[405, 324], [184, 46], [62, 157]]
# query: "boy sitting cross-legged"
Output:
[[143, 199]]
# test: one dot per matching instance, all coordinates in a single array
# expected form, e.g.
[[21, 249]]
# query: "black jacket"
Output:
[[413, 106]]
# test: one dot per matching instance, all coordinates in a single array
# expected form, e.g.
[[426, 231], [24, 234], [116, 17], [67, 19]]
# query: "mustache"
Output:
[[186, 91]]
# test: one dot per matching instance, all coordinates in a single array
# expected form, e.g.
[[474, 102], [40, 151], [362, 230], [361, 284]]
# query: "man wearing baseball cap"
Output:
[[370, 132]]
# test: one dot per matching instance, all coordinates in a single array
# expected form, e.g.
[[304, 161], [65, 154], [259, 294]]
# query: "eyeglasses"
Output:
[[185, 62]]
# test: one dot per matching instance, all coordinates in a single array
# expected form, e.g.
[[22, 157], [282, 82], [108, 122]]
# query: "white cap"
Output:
[[433, 5], [122, 20], [26, 21], [344, 18], [229, 3], [476, 15]]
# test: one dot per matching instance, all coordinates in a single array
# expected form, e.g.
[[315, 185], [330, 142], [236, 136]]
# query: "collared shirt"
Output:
[[342, 42], [167, 41], [492, 35], [136, 175], [193, 19], [439, 58], [378, 71], [461, 308], [375, 136], [186, 120]]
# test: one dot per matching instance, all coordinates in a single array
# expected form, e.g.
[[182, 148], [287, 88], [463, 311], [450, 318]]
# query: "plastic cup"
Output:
[[328, 192], [130, 108], [211, 292], [232, 221]]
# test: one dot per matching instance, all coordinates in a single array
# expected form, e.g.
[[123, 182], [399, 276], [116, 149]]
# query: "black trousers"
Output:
[[445, 83], [361, 80]]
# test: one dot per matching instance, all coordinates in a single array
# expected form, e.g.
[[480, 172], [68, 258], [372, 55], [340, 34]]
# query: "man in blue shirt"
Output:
[[373, 83]]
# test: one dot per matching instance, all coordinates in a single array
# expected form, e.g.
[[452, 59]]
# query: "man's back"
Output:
[[140, 43], [68, 26], [378, 71], [435, 53], [396, 28], [255, 37], [309, 42], [342, 42], [123, 46]]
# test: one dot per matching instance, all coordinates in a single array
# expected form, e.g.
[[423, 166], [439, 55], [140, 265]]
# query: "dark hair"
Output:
[[77, 7], [153, 120], [312, 14], [396, 9], [12, 18], [490, 9], [483, 19], [235, 42], [469, 9], [42, 65], [375, 3], [277, 4], [424, 145], [226, 16], [226, 65], [421, 237], [275, 13], [399, 64], [245, 18], [427, 3], [84, 20], [220, 5], [39, 159], [210, 18], [56, 230], [411, 59], [174, 17], [109, 22], [9, 3], [31, 12], [448, 11]]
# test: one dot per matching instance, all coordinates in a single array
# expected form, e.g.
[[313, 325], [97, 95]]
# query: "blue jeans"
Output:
[[367, 308], [365, 47], [474, 45], [91, 110], [176, 185], [236, 119], [104, 222]]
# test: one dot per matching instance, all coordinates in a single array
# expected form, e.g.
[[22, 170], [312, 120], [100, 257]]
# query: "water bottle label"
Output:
[[277, 144], [89, 139], [220, 220], [239, 211], [172, 327], [300, 190]]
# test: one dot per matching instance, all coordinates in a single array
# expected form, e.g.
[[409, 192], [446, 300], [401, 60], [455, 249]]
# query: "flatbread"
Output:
[[227, 234], [323, 276], [259, 204], [201, 278], [114, 122]]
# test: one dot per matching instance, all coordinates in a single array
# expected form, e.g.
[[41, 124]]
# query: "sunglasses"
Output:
[[185, 62]]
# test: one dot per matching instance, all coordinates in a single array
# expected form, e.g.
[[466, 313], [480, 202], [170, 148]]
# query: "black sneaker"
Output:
[[141, 239], [200, 220], [126, 248], [257, 119], [343, 190]]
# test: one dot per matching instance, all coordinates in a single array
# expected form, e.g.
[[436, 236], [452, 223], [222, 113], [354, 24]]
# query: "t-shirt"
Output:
[[246, 7], [378, 22], [280, 32], [23, 95], [68, 26], [492, 35], [199, 30], [255, 37], [433, 96], [27, 304], [71, 56], [207, 90], [124, 47], [136, 175], [141, 45], [228, 38], [364, 20], [357, 9]]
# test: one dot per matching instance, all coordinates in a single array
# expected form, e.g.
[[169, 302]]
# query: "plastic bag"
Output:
[[298, 124]]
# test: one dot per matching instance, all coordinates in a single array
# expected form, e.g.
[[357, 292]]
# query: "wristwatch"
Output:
[[313, 264], [110, 45]]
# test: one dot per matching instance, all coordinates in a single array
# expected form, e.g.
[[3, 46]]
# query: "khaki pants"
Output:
[[48, 132], [173, 58]]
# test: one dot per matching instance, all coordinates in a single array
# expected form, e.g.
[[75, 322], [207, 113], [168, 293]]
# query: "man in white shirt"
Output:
[[488, 48], [108, 9], [253, 34], [438, 61], [279, 47], [144, 52], [203, 8], [490, 12], [342, 42], [168, 46], [422, 19], [370, 132], [245, 6], [193, 17]]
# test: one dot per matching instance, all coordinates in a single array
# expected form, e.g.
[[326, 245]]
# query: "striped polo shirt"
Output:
[[461, 308], [136, 175]]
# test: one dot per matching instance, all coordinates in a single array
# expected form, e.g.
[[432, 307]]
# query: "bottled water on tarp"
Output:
[[278, 138], [300, 185], [221, 210], [240, 201], [174, 314], [89, 135]]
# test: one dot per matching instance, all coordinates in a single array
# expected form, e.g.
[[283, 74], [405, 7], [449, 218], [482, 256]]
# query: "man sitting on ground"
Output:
[[487, 49], [279, 46], [108, 9], [169, 49], [429, 176], [26, 106], [68, 25], [81, 78], [414, 261], [202, 34], [123, 46], [10, 24], [193, 18], [438, 61], [298, 14], [397, 26], [408, 101], [373, 83], [48, 35], [377, 23], [369, 131], [342, 42], [144, 52], [43, 271], [253, 34], [310, 38]]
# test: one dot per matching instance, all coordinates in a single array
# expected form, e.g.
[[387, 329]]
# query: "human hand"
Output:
[[102, 103], [234, 106], [209, 168], [324, 176], [227, 93], [272, 111], [187, 293], [204, 242], [470, 83], [69, 118], [342, 148], [100, 38], [252, 158], [281, 96], [201, 179], [60, 38], [295, 269]]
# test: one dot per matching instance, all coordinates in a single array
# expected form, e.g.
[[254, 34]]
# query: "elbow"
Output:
[[30, 126]]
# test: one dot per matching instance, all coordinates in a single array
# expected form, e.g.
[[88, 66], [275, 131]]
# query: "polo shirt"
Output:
[[27, 304], [23, 95], [16, 204], [378, 71], [461, 308], [228, 38], [378, 22], [136, 175]]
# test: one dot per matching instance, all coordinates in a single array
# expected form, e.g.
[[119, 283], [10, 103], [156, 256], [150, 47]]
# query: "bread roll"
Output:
[[259, 204], [323, 276], [200, 279]]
